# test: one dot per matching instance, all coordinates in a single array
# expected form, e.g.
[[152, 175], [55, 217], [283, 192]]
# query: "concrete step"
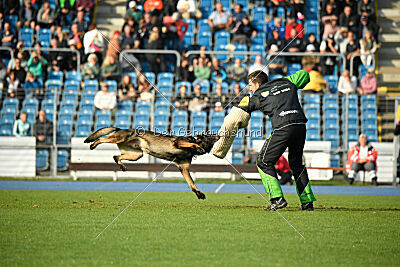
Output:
[[389, 13], [394, 38], [384, 78], [389, 51], [108, 10], [388, 4], [390, 62], [387, 137], [117, 22]]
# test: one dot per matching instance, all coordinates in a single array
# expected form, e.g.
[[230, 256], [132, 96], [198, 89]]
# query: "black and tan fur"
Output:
[[133, 143]]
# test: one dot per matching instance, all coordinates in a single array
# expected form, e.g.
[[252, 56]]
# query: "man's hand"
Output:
[[41, 138], [361, 161]]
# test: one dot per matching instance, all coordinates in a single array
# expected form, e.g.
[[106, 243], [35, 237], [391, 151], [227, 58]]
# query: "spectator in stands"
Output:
[[86, 6], [185, 72], [292, 24], [347, 85], [294, 44], [198, 101], [238, 15], [218, 72], [27, 14], [153, 6], [13, 84], [243, 32], [188, 9], [362, 156], [128, 40], [36, 65], [317, 83], [46, 16], [276, 40], [176, 30], [327, 13], [347, 19], [129, 62], [219, 101], [133, 12], [62, 37], [77, 36], [3, 73], [113, 47], [56, 58], [201, 71], [83, 25], [43, 130], [21, 126], [237, 73], [145, 94], [283, 169], [8, 38], [182, 100], [126, 90], [71, 57], [206, 57], [312, 40], [330, 26], [352, 48], [219, 19], [19, 71], [110, 69], [367, 24], [308, 62], [367, 48], [366, 7], [104, 99], [277, 25], [257, 61], [236, 96], [156, 61], [368, 84], [31, 86], [276, 66], [328, 46], [341, 38], [91, 68], [11, 7], [297, 9], [93, 42], [67, 12]]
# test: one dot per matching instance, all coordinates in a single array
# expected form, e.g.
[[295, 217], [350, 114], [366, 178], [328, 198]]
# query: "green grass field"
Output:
[[58, 228]]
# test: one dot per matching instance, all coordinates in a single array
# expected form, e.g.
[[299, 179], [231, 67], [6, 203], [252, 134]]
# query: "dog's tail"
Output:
[[99, 133]]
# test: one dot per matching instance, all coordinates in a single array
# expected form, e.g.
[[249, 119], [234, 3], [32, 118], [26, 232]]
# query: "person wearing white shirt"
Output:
[[347, 85], [104, 99], [219, 19]]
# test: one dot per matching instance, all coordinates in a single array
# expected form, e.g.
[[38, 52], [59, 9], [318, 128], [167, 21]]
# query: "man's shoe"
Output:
[[278, 203], [307, 206], [351, 181], [374, 182]]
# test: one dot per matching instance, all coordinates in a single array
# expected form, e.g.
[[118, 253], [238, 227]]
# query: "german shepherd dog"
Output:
[[133, 142]]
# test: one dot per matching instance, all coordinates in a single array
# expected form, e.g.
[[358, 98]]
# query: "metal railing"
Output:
[[151, 51], [359, 55], [65, 50], [229, 53]]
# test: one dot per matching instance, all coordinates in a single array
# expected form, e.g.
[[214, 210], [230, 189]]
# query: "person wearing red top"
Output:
[[152, 5], [292, 24], [362, 156], [283, 169]]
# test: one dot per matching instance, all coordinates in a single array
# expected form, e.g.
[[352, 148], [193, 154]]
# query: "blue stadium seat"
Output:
[[222, 38], [368, 99], [133, 76], [101, 124], [180, 116], [143, 125], [103, 115], [142, 115], [188, 40], [160, 127], [312, 99], [165, 89], [237, 158], [331, 118], [26, 36], [335, 160], [91, 85], [280, 12], [221, 57], [72, 85], [11, 103], [199, 116], [12, 19], [66, 114], [143, 106], [68, 104], [44, 35], [260, 26], [85, 114], [165, 77], [293, 68], [73, 75], [312, 26], [259, 13], [206, 7], [82, 133], [244, 3], [42, 159], [225, 87], [64, 136], [333, 81], [124, 115], [64, 125], [62, 160], [334, 140], [86, 104], [191, 25], [259, 39], [125, 105], [151, 77], [204, 39], [55, 75], [122, 124], [257, 48], [203, 26], [31, 103], [240, 48], [161, 115]]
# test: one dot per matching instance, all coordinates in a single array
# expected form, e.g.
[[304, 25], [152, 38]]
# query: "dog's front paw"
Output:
[[123, 168], [200, 150], [200, 195], [93, 146]]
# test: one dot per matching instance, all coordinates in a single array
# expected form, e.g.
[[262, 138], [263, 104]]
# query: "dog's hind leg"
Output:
[[184, 168], [129, 155]]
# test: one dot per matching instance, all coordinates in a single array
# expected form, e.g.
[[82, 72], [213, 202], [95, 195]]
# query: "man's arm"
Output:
[[301, 78], [249, 104]]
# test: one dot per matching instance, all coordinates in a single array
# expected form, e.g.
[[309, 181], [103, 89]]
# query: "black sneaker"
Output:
[[351, 181], [307, 206], [278, 203], [374, 182]]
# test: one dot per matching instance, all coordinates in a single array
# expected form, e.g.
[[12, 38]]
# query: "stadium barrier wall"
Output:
[[18, 156]]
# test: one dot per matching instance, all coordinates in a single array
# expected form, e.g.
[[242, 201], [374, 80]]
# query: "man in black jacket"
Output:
[[278, 99], [43, 130]]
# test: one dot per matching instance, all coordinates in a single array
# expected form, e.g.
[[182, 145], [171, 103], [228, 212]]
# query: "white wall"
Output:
[[17, 156]]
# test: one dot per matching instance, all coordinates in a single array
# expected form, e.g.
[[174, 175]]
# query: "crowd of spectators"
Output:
[[346, 27]]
